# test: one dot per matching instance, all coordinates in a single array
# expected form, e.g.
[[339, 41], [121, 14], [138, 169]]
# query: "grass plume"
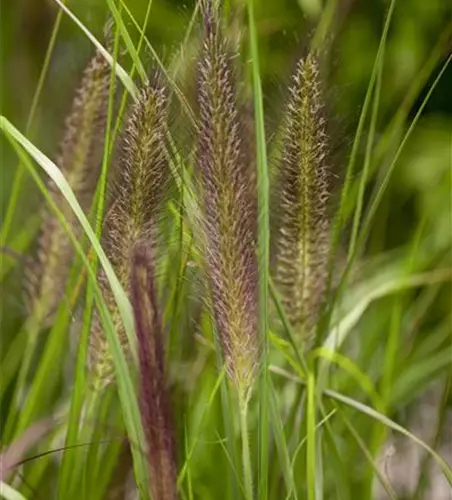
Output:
[[154, 396], [136, 197], [227, 205], [79, 159], [302, 184]]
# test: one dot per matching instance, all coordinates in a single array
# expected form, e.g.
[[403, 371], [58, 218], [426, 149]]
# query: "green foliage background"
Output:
[[415, 212]]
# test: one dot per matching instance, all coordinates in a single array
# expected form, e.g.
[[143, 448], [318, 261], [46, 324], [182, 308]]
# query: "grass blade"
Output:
[[368, 455], [367, 410], [54, 172], [354, 153], [120, 71], [367, 160], [127, 40], [343, 327], [311, 458], [375, 415], [263, 253], [384, 184]]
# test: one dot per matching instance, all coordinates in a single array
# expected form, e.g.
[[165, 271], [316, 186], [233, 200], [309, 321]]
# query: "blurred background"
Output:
[[419, 195]]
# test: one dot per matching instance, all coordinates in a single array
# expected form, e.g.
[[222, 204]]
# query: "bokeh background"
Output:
[[419, 194]]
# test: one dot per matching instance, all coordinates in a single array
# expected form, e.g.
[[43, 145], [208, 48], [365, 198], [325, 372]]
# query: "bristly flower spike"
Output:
[[229, 215], [79, 160], [137, 197], [154, 396], [302, 239]]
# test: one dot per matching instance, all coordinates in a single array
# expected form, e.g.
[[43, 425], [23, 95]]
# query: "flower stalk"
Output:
[[154, 395]]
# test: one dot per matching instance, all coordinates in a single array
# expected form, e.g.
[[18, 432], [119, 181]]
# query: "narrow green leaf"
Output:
[[127, 40], [55, 174], [367, 100], [368, 156], [367, 410], [263, 252], [374, 414], [120, 71], [281, 444], [385, 182], [311, 455], [368, 455]]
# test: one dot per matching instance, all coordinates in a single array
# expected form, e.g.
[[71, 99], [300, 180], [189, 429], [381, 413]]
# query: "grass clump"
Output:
[[203, 389]]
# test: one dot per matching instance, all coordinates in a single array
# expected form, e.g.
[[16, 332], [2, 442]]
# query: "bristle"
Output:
[[139, 189], [154, 396], [229, 215], [79, 160], [302, 219], [248, 134]]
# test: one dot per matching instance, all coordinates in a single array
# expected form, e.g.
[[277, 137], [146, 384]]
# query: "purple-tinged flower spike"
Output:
[[79, 160], [154, 396], [137, 196], [228, 210], [302, 239]]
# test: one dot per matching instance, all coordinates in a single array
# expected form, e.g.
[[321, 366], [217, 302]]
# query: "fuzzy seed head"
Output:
[[79, 160], [302, 220], [137, 197], [142, 178], [229, 216]]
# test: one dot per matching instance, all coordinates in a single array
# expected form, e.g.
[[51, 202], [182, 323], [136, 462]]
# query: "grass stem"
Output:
[[247, 473]]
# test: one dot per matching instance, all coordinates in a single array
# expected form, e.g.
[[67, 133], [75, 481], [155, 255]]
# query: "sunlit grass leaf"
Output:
[[9, 493], [55, 174]]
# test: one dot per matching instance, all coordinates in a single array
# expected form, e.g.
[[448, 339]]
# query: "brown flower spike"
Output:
[[138, 192], [79, 160], [154, 396], [302, 240], [229, 216]]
